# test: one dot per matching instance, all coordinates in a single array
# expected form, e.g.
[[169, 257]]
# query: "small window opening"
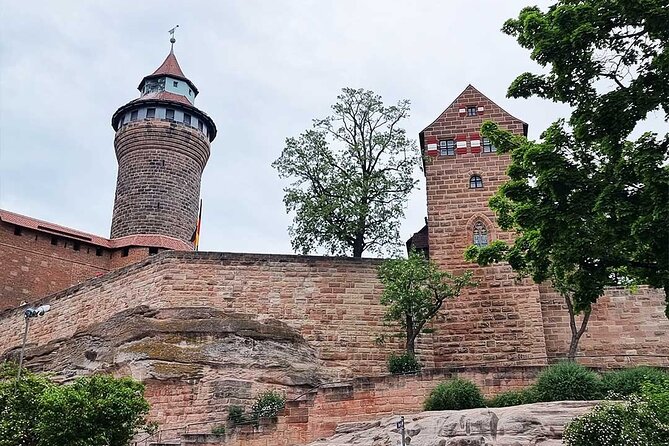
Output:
[[153, 251], [471, 111], [17, 230], [98, 252], [133, 116], [200, 125], [475, 182], [125, 252], [488, 147], [447, 147], [190, 92], [120, 121], [480, 234], [150, 112], [175, 83], [76, 246], [54, 240], [186, 119], [169, 114]]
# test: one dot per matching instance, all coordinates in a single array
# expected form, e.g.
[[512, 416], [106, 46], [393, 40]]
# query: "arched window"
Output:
[[480, 234], [475, 182]]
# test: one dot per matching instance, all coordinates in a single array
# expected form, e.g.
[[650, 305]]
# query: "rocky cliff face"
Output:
[[530, 424], [179, 343]]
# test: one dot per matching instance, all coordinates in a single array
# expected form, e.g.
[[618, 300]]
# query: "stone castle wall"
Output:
[[35, 264], [334, 305], [625, 327]]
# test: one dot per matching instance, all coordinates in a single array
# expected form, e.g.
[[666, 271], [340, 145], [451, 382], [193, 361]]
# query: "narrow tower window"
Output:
[[169, 114], [186, 119], [480, 234], [475, 182], [133, 116], [175, 83], [150, 112], [200, 125]]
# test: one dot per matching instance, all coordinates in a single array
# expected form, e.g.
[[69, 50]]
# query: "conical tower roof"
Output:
[[169, 68]]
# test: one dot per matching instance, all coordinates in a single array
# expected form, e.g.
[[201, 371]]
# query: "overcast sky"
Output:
[[264, 70]]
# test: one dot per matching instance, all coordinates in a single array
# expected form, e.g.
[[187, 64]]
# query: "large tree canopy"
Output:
[[92, 411], [590, 206], [352, 174]]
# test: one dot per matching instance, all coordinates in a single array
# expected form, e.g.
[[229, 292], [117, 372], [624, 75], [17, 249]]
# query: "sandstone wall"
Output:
[[624, 327], [316, 414], [333, 302]]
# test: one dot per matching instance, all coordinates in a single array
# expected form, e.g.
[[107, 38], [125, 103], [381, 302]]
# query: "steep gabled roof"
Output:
[[468, 89]]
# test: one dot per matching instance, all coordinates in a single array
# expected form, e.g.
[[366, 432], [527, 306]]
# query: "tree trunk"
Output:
[[575, 333], [358, 245], [411, 337]]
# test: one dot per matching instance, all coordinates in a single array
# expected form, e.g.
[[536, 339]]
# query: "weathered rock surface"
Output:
[[179, 343], [531, 424]]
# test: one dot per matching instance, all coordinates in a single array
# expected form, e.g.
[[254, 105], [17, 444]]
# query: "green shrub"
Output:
[[568, 381], [268, 404], [657, 396], [235, 414], [514, 398], [628, 381], [633, 422], [454, 394], [403, 364], [218, 430]]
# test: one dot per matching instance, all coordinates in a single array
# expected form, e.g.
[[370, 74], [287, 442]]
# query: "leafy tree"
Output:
[[91, 411], [414, 291], [591, 208], [353, 173]]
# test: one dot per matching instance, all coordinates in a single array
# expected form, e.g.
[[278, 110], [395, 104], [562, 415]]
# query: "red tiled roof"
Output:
[[170, 67], [164, 95], [153, 240]]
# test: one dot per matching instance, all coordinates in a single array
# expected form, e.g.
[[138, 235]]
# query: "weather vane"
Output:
[[172, 39]]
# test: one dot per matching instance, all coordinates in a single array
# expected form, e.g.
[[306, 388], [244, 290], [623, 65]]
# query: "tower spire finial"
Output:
[[172, 39]]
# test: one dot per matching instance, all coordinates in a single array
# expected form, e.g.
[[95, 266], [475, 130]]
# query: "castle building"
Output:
[[162, 145], [206, 330]]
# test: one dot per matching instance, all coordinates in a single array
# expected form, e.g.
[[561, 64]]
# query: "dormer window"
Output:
[[175, 83], [471, 110]]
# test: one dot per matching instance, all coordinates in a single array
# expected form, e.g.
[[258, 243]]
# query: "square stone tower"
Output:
[[500, 320]]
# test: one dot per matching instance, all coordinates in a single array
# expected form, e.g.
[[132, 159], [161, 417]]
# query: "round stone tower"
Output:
[[162, 145]]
